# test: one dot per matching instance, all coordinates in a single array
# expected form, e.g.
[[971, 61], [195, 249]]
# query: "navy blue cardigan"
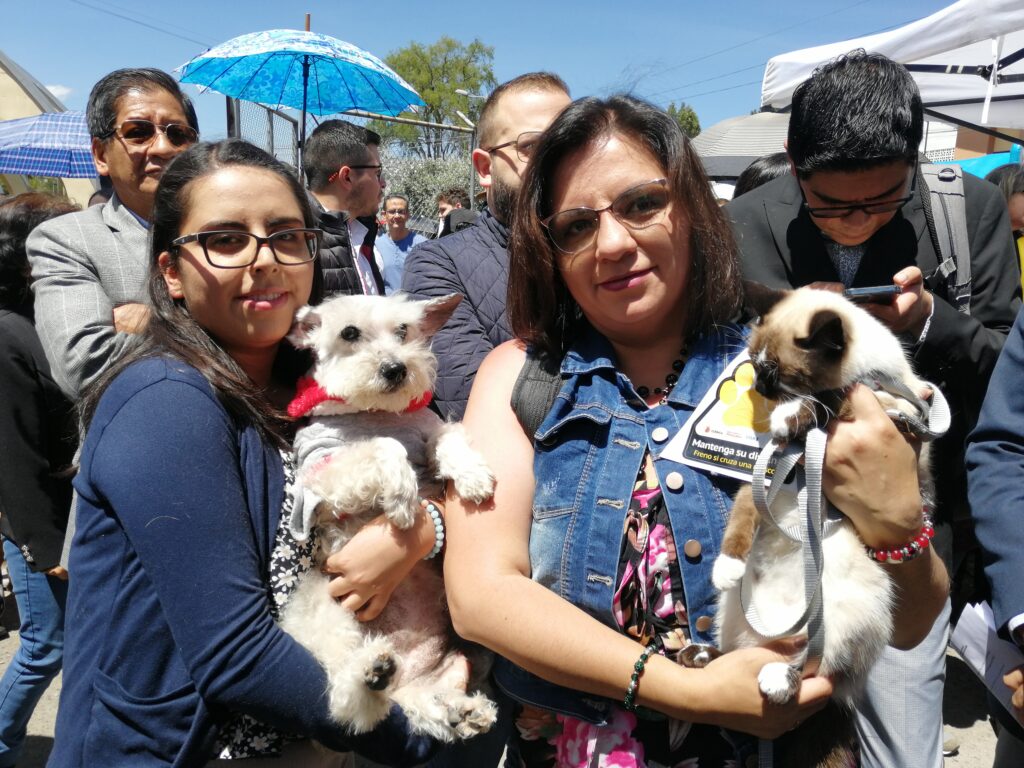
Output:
[[168, 622]]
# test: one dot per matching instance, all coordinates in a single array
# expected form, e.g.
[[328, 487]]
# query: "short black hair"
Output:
[[396, 196], [101, 111], [333, 144], [856, 112], [531, 81], [761, 171]]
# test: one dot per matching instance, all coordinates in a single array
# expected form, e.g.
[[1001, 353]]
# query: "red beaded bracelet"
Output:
[[910, 550]]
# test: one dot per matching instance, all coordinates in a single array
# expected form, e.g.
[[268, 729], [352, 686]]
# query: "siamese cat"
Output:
[[808, 348]]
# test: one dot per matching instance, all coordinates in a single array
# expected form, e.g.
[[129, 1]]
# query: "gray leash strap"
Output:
[[934, 418], [812, 528]]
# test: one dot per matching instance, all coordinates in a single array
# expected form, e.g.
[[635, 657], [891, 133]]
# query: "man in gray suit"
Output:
[[90, 267]]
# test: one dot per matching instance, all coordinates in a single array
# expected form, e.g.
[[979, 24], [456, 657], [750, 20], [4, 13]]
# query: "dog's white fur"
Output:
[[363, 457]]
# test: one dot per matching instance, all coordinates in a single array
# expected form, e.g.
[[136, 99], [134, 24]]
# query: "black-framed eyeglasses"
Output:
[[842, 211], [141, 132], [524, 143], [233, 249], [639, 207], [398, 212], [379, 168]]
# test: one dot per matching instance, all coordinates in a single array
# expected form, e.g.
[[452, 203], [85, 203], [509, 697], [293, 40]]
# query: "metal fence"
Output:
[[420, 159]]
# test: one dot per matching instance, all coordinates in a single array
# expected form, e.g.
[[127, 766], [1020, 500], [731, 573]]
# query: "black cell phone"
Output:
[[876, 294]]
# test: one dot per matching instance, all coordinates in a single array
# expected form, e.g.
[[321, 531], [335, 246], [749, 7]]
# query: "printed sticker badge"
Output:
[[726, 432]]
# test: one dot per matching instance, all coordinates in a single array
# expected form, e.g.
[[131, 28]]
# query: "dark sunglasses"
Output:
[[639, 207], [141, 132], [842, 211]]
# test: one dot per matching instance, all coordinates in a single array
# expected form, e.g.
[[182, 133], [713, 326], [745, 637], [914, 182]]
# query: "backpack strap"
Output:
[[535, 391], [946, 213]]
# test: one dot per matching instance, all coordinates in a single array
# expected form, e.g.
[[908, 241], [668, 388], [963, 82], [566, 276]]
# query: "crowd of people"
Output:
[[603, 296]]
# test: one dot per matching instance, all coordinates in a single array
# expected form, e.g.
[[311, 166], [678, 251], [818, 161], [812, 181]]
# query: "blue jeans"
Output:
[[41, 601]]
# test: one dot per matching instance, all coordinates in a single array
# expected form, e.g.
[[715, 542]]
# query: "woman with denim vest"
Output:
[[593, 562]]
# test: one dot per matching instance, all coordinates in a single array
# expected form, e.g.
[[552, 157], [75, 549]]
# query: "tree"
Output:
[[436, 71], [686, 117]]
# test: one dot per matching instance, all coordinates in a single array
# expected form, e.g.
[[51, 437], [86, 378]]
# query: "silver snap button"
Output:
[[674, 481], [660, 435]]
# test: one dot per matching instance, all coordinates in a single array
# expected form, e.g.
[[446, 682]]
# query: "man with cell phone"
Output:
[[855, 215]]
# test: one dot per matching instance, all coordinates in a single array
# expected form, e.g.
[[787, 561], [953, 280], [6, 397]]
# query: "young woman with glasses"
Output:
[[181, 558], [591, 572]]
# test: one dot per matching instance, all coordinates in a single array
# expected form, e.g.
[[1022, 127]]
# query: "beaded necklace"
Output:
[[670, 380]]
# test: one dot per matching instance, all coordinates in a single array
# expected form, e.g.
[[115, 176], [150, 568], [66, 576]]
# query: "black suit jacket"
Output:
[[781, 246], [36, 441]]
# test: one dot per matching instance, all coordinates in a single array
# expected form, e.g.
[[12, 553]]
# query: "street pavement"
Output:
[[965, 716]]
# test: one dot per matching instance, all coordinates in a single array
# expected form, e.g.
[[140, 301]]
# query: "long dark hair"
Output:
[[541, 310], [172, 330]]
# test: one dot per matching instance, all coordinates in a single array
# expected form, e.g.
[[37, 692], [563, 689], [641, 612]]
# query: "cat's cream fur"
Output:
[[807, 349]]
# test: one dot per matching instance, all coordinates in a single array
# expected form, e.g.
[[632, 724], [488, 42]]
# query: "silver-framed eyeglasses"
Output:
[[524, 144], [139, 133], [842, 211], [639, 207], [236, 249]]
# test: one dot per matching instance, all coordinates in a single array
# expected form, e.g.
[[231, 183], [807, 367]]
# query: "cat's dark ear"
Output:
[[759, 299], [825, 334]]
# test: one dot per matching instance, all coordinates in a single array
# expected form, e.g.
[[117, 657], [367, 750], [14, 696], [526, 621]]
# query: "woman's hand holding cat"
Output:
[[871, 473], [736, 702], [368, 568]]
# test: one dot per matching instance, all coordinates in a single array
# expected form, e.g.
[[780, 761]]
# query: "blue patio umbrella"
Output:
[[304, 70], [49, 144]]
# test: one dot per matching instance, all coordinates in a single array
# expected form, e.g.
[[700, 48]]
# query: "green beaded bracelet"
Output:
[[629, 703]]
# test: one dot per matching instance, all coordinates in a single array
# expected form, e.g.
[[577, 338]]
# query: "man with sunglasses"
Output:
[[346, 182], [90, 268], [474, 260], [856, 213]]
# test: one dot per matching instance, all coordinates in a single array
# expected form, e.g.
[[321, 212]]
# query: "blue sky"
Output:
[[708, 54]]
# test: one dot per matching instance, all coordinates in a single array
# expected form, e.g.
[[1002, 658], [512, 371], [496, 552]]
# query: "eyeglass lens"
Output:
[[637, 208], [872, 208], [238, 249], [526, 144], [143, 131]]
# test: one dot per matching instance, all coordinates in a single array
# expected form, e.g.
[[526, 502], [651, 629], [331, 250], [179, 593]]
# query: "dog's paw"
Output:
[[471, 714], [778, 681], [727, 572], [359, 685], [475, 483]]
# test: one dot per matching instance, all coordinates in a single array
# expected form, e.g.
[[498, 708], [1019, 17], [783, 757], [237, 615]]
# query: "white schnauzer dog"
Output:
[[371, 448]]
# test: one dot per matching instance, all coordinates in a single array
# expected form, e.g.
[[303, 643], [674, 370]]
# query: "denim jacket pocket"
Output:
[[564, 453]]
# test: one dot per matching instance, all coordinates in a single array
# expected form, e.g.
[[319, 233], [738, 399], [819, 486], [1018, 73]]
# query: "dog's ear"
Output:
[[307, 322], [436, 313]]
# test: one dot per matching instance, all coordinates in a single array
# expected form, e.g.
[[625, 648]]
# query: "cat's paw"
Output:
[[778, 681], [727, 572], [789, 420], [698, 655]]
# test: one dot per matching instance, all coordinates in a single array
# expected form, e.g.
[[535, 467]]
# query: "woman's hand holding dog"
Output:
[[376, 560]]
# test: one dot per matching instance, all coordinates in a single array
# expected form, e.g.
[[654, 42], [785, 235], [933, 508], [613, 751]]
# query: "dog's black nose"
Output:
[[393, 372]]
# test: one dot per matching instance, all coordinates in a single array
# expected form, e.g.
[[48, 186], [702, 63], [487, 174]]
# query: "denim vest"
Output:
[[588, 451]]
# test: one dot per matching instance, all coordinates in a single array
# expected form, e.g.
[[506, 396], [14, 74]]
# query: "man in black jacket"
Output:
[[854, 213], [474, 261], [346, 183]]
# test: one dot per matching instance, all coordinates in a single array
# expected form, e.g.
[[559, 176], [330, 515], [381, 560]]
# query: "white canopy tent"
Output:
[[967, 59]]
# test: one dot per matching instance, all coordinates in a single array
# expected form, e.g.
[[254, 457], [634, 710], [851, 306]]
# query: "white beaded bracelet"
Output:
[[435, 515]]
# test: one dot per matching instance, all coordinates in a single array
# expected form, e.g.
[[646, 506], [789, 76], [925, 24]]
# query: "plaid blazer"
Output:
[[83, 265]]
